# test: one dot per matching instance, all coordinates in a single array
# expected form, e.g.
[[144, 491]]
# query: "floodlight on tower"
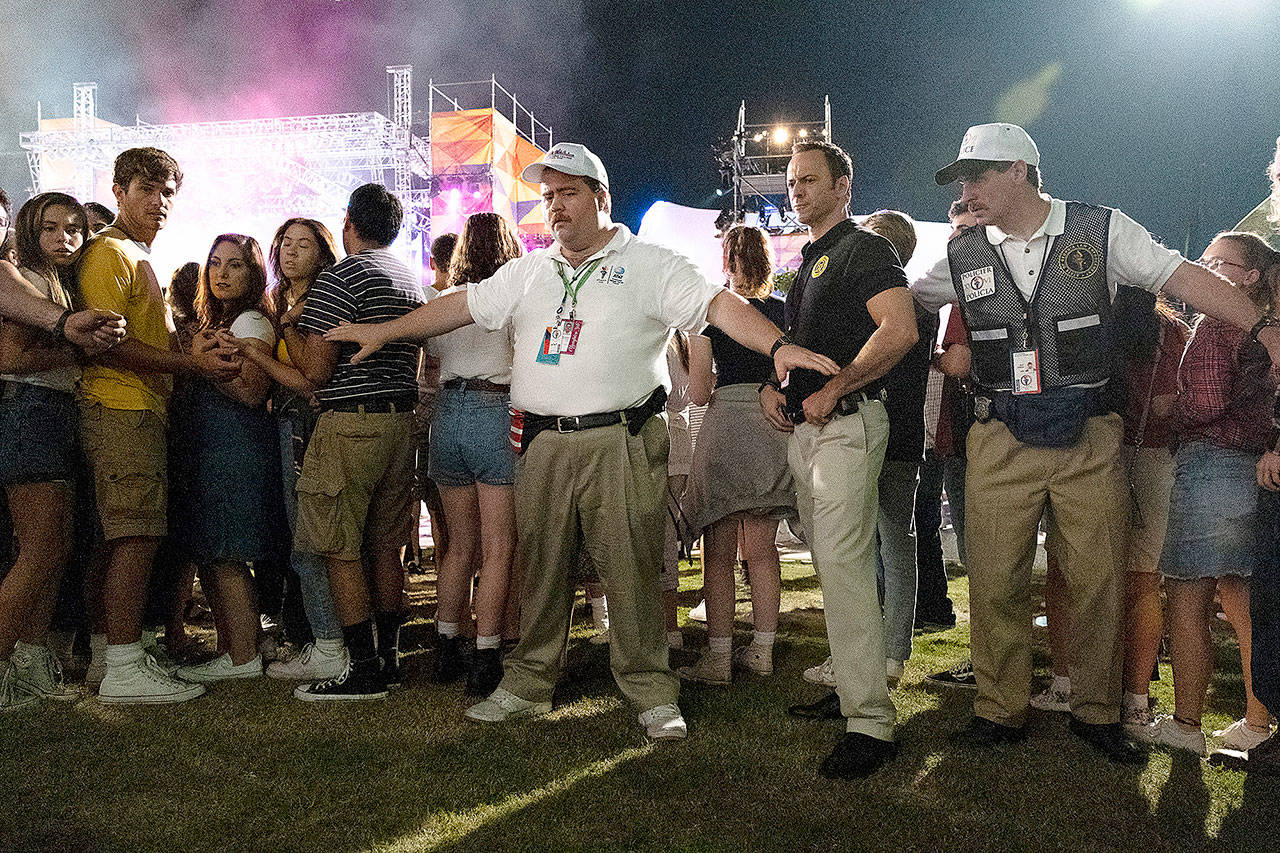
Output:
[[780, 135]]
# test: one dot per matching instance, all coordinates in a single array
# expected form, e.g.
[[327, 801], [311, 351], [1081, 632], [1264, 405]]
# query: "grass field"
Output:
[[248, 768]]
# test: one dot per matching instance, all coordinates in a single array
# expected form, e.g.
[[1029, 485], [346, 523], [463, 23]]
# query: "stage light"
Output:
[[780, 135], [757, 137], [804, 131], [719, 192]]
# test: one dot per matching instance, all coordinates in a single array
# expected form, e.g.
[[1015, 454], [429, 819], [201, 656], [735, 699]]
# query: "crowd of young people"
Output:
[[257, 429]]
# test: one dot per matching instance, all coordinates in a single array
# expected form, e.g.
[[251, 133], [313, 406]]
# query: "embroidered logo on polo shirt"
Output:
[[1079, 260], [820, 267], [604, 274]]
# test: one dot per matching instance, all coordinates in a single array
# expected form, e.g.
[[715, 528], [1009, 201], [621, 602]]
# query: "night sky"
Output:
[[1169, 110]]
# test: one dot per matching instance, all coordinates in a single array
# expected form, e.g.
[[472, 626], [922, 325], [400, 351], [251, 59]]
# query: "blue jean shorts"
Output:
[[38, 428], [1211, 513], [470, 440]]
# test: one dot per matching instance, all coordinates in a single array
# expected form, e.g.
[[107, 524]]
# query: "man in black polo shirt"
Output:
[[355, 490], [849, 302]]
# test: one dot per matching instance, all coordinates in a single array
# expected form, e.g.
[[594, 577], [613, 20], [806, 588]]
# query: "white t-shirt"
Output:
[[1133, 258], [61, 378], [629, 305], [473, 352], [253, 324]]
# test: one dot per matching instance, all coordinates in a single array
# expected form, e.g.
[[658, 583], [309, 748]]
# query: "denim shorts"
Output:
[[470, 439], [1211, 513], [38, 428]]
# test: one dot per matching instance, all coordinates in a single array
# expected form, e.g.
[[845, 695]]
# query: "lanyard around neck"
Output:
[[573, 285]]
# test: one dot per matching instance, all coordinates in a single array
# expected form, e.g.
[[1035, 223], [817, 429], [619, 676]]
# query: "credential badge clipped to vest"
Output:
[[1079, 260]]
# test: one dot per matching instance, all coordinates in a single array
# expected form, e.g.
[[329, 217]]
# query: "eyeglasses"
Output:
[[1213, 263]]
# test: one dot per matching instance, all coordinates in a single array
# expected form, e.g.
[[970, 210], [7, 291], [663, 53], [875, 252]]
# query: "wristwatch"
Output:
[[782, 341], [59, 330]]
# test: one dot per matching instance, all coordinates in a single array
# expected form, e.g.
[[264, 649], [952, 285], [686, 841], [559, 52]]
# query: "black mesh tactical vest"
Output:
[[1067, 320]]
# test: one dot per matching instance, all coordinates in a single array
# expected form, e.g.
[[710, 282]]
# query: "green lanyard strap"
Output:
[[572, 286]]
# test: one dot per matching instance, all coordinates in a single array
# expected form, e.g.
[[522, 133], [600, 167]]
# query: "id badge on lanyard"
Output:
[[1026, 371], [561, 337]]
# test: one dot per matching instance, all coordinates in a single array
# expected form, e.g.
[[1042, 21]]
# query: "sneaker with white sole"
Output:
[[355, 683], [13, 696], [1050, 699], [221, 669], [311, 664], [1166, 732], [755, 658], [1135, 721], [665, 722], [1240, 736], [960, 676], [37, 670], [503, 705], [143, 682], [712, 668], [824, 674]]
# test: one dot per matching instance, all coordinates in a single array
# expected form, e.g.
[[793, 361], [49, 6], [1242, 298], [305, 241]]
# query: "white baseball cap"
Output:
[[998, 141], [570, 158]]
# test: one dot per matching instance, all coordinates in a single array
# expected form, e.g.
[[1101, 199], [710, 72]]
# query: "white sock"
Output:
[[1137, 701], [1061, 684], [125, 653], [675, 640], [488, 642], [329, 648], [721, 645], [763, 638], [446, 629]]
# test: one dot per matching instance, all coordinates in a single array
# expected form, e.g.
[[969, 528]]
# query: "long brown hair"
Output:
[[27, 228], [213, 313], [1261, 257], [487, 242], [749, 247], [328, 257]]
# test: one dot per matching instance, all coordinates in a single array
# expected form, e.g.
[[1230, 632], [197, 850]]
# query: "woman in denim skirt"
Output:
[[38, 452]]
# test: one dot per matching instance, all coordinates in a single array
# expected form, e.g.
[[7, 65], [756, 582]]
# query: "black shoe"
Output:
[[929, 624], [984, 732], [448, 665], [826, 708], [961, 676], [857, 756], [391, 672], [485, 673], [356, 682], [1109, 739]]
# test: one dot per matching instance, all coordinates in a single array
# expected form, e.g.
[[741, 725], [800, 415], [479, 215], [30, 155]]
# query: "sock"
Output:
[[123, 654], [1061, 684], [359, 639], [488, 642], [675, 640], [1136, 701], [388, 623], [763, 638], [329, 648], [720, 645], [446, 629]]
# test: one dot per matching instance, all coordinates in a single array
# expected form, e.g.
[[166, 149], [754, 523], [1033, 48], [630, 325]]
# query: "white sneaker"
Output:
[[664, 722], [502, 705], [221, 669], [1136, 721], [159, 653], [1167, 733], [699, 612], [311, 664], [893, 670], [37, 670], [755, 658], [1051, 700], [824, 674], [13, 697], [711, 668], [143, 682], [1239, 736]]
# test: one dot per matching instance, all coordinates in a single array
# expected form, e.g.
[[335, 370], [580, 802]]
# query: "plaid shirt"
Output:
[[1225, 389]]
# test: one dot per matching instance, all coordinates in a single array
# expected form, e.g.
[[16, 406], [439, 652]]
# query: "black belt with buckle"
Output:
[[375, 405], [846, 405], [635, 418], [459, 384]]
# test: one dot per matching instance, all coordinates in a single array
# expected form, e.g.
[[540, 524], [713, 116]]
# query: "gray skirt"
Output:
[[739, 463]]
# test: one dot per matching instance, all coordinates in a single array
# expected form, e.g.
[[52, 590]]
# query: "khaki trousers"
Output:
[[1008, 487], [604, 490], [837, 469]]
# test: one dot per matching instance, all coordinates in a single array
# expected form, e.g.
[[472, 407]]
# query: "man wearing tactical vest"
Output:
[[1035, 280]]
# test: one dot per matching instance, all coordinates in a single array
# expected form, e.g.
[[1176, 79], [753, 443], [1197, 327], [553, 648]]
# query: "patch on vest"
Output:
[[820, 267], [1079, 260], [979, 283]]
